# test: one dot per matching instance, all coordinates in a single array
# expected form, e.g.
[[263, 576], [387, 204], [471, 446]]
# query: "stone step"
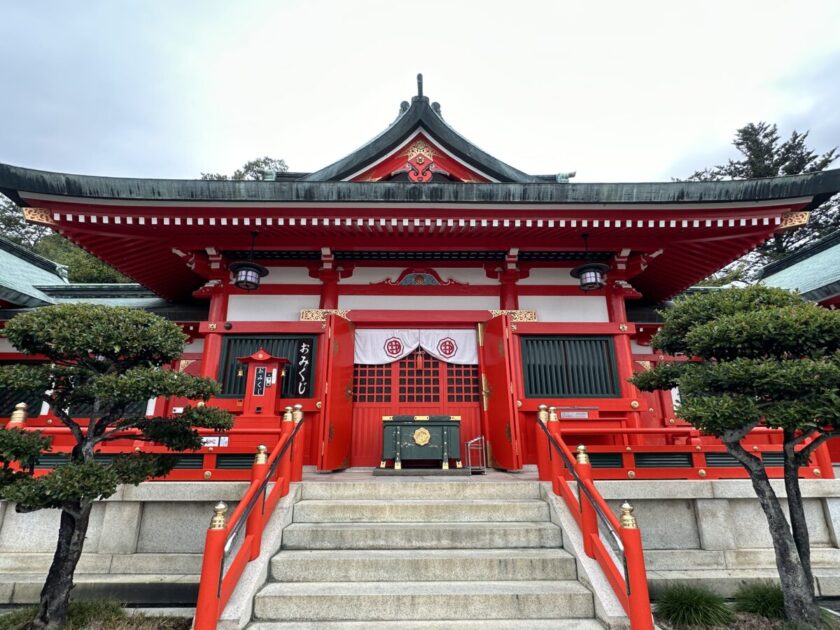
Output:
[[423, 565], [383, 601], [421, 535], [419, 510], [401, 488], [434, 624]]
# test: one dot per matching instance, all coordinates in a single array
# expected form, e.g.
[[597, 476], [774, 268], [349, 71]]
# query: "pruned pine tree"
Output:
[[105, 359], [765, 358], [764, 154]]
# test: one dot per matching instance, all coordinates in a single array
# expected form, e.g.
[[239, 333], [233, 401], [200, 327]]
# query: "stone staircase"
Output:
[[412, 555]]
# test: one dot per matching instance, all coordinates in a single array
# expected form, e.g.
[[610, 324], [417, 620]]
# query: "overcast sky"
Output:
[[625, 91]]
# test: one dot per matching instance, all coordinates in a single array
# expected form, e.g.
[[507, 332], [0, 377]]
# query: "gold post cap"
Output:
[[200, 403], [582, 456], [627, 519], [219, 520], [19, 414], [261, 457], [287, 414], [552, 414]]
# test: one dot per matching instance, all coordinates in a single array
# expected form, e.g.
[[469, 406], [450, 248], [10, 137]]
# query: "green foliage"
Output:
[[99, 338], [685, 606], [699, 308], [769, 356], [97, 615], [761, 598], [106, 357], [81, 266], [17, 445], [765, 155], [253, 170]]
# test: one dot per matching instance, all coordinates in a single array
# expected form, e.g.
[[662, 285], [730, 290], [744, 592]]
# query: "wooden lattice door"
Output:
[[418, 384]]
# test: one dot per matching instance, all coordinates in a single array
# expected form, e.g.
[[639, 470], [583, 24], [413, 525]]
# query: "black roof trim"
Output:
[[827, 242], [420, 114], [821, 186], [31, 257], [126, 290]]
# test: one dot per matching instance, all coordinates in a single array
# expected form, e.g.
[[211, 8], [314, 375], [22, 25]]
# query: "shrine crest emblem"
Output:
[[447, 347], [393, 347]]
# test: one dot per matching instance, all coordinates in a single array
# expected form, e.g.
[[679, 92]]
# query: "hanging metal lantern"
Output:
[[247, 273], [592, 275]]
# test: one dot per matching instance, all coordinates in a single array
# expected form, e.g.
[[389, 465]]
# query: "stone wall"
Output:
[[715, 531], [144, 544]]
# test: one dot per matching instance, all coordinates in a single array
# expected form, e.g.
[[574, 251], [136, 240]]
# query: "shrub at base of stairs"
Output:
[[97, 615], [684, 606]]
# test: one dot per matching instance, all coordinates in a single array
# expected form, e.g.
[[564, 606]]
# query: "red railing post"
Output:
[[284, 468], [588, 518], [254, 524], [638, 596], [543, 447], [297, 447], [207, 604], [822, 459], [557, 468]]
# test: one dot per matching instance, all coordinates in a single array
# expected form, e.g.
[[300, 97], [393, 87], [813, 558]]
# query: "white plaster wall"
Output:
[[554, 277], [195, 346], [552, 308], [418, 302], [289, 275], [6, 345], [468, 275], [636, 348], [263, 308]]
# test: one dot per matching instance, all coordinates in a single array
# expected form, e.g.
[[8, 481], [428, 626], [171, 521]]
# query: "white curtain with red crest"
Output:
[[376, 346]]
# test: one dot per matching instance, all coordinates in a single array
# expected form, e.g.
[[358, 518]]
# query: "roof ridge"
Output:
[[24, 253]]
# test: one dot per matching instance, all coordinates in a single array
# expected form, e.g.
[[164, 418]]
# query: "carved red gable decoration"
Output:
[[423, 161]]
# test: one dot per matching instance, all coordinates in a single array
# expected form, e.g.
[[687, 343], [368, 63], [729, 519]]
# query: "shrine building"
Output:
[[420, 276]]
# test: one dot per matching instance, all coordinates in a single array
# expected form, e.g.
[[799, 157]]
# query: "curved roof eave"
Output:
[[419, 114], [16, 182]]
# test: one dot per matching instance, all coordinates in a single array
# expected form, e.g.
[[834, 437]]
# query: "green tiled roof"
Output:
[[20, 273], [813, 271]]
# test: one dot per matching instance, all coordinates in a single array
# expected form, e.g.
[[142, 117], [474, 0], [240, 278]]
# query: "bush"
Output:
[[764, 598], [684, 606], [97, 615]]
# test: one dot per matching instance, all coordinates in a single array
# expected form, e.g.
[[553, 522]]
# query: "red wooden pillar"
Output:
[[624, 358], [329, 288], [509, 292], [213, 339]]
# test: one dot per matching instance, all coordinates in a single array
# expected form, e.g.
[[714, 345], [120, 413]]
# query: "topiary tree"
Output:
[[105, 358], [767, 358]]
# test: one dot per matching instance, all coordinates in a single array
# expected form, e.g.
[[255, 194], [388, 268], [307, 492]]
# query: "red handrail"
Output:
[[587, 507], [216, 585]]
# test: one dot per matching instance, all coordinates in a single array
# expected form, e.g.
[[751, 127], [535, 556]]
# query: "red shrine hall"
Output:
[[421, 276]]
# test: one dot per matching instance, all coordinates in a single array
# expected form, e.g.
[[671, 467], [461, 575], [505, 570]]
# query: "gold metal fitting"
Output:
[[219, 520], [287, 414], [201, 403], [671, 421], [627, 519], [698, 448], [755, 448], [817, 472], [552, 414], [622, 327], [207, 474], [628, 448], [631, 474], [297, 413], [634, 404], [136, 449], [582, 456], [261, 457], [701, 473], [19, 414], [542, 413]]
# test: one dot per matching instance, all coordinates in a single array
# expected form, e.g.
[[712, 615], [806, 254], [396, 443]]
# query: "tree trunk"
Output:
[[796, 507], [55, 596], [797, 588]]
